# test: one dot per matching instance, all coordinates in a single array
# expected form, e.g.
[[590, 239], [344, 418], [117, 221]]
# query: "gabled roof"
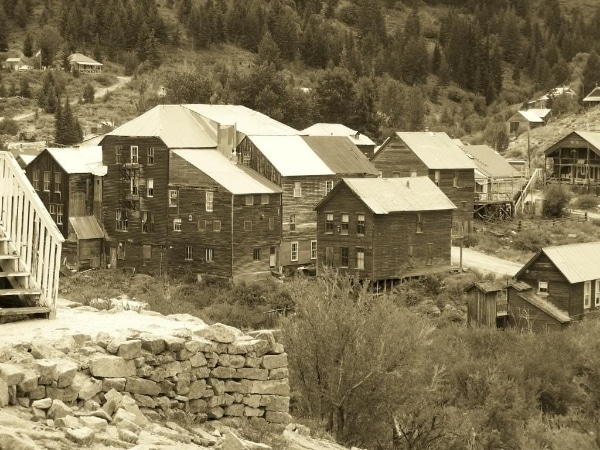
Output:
[[390, 195], [86, 227], [487, 286], [544, 305], [80, 58], [175, 125], [12, 60], [489, 162], [528, 115], [436, 150], [291, 155], [237, 179], [78, 159], [591, 137], [577, 262], [246, 120], [593, 96], [340, 155], [337, 129]]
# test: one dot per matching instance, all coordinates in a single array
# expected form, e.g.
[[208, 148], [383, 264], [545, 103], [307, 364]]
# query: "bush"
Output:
[[586, 201], [531, 240], [557, 198], [9, 127]]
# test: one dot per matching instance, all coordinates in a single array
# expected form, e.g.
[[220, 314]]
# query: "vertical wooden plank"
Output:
[[9, 213], [50, 274], [40, 253], [20, 218], [47, 265], [30, 232]]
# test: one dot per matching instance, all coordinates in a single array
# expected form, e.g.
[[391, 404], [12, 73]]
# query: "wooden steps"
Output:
[[26, 310], [7, 257], [19, 291], [14, 274]]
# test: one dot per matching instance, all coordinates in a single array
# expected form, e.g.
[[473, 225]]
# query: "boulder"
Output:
[[112, 401], [130, 349], [44, 403], [153, 344], [129, 405], [11, 373], [67, 422], [29, 382], [219, 332], [65, 372], [142, 386], [108, 366], [95, 423], [58, 410], [231, 442], [46, 369], [127, 436], [81, 436]]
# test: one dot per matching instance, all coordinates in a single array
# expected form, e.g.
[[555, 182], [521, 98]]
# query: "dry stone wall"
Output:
[[188, 375]]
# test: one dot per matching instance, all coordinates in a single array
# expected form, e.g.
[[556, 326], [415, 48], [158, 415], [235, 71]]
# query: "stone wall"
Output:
[[187, 375]]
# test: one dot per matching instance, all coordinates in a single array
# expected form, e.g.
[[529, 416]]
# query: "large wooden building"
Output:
[[575, 160], [568, 276], [364, 143], [435, 155], [306, 168], [385, 228], [69, 183]]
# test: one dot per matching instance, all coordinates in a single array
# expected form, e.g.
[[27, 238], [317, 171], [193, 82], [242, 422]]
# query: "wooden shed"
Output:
[[88, 234], [528, 311], [487, 305]]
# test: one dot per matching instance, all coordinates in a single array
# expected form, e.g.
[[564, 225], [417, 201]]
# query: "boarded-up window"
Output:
[[247, 225], [249, 200], [256, 254], [147, 251], [202, 225], [264, 199], [271, 223], [217, 225]]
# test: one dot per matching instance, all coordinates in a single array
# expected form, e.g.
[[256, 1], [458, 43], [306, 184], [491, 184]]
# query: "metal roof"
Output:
[[491, 163], [80, 58], [86, 227], [436, 150], [175, 125], [237, 179], [291, 155], [487, 286], [77, 159], [577, 262], [389, 195], [593, 96], [340, 155], [591, 137], [13, 59], [246, 120], [544, 305], [337, 129]]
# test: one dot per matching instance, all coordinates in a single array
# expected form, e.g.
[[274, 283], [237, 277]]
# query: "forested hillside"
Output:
[[451, 65]]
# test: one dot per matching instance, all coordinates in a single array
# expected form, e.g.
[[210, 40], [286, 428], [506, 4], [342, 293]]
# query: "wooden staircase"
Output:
[[30, 247]]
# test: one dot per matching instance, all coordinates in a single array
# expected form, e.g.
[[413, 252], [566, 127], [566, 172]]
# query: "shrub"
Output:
[[9, 127], [557, 198], [530, 240], [586, 201]]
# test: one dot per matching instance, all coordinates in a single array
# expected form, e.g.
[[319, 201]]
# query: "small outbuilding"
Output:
[[487, 305], [12, 64]]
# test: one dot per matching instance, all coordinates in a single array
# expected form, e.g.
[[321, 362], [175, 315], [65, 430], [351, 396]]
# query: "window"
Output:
[[411, 251], [413, 173], [53, 211], [345, 223], [297, 189], [121, 219], [256, 254], [57, 182], [542, 287], [329, 223], [172, 197], [36, 180], [419, 222], [264, 199], [587, 294], [294, 251], [118, 154], [209, 255], [46, 181], [150, 155], [597, 293], [396, 174], [463, 205], [360, 258], [455, 179], [134, 185], [59, 214], [313, 249], [201, 225], [147, 221], [328, 186], [429, 254], [150, 187], [360, 224], [293, 222], [121, 250], [271, 223], [246, 157], [189, 253], [177, 224], [249, 200], [147, 251], [436, 177], [247, 225], [209, 197], [344, 256], [134, 155], [217, 225]]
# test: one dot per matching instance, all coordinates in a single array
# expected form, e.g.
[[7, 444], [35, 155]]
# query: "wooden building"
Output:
[[69, 183], [306, 168], [84, 64], [487, 305], [435, 155], [567, 276], [593, 98], [528, 119], [362, 141], [385, 228], [530, 311], [575, 160]]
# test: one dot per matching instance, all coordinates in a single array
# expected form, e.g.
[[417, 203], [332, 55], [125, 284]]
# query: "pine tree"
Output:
[[591, 74], [24, 89], [28, 46], [88, 93], [4, 31], [268, 51]]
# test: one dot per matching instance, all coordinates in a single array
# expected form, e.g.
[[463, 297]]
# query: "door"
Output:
[[273, 257], [113, 257]]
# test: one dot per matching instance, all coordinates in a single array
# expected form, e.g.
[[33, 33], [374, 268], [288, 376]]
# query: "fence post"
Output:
[[519, 226]]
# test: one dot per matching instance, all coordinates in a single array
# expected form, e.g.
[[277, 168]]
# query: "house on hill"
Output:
[[436, 155], [363, 142], [593, 98], [385, 229], [531, 311], [567, 276], [528, 119], [84, 64], [575, 160], [69, 183], [12, 64]]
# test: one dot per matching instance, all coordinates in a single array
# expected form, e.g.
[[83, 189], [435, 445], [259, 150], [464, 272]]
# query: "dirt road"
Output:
[[484, 263]]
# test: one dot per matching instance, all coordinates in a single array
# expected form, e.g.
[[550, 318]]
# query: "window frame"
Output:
[[256, 254], [46, 181], [345, 257], [294, 251], [59, 214], [122, 219], [313, 249], [329, 223], [173, 198], [177, 224], [35, 177], [328, 186], [297, 189], [597, 293], [147, 221], [264, 199], [150, 187], [271, 223], [150, 156], [189, 253], [209, 201], [543, 287], [360, 258], [57, 182], [118, 154], [216, 226], [209, 254], [360, 224], [134, 154], [52, 211], [587, 294], [436, 177], [292, 223], [419, 223], [345, 223], [455, 179], [249, 200]]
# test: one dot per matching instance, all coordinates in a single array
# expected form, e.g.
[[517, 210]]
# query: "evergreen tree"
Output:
[[334, 96], [24, 89], [28, 46], [268, 51], [364, 116], [88, 93], [21, 14], [67, 127], [4, 31], [591, 74]]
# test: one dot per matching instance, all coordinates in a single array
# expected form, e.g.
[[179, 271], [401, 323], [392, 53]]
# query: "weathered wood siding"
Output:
[[481, 308], [524, 316], [396, 159], [81, 194]]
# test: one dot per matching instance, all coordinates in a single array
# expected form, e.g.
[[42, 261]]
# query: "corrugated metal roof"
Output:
[[86, 227], [175, 125], [436, 150], [246, 120], [291, 155], [337, 129], [388, 195], [341, 155], [489, 162], [77, 159], [577, 262], [545, 306], [237, 179]]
